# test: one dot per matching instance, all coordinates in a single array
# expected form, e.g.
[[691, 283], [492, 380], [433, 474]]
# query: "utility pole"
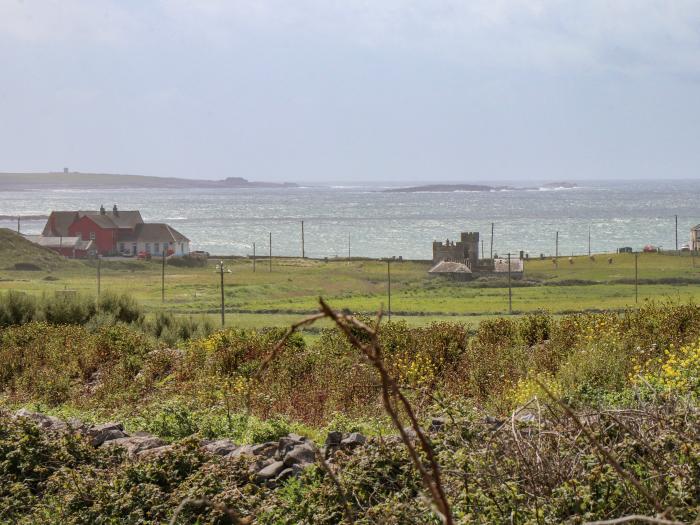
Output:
[[491, 241], [253, 257], [99, 262], [589, 240], [348, 247], [677, 252], [556, 249], [303, 254], [510, 290], [636, 278], [270, 252], [18, 217], [221, 269], [162, 279], [388, 273]]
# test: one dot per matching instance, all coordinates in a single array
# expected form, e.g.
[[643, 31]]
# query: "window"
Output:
[[133, 248], [156, 248], [92, 236], [121, 247], [148, 247]]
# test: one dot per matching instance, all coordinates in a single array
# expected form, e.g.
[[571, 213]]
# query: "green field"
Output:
[[292, 288]]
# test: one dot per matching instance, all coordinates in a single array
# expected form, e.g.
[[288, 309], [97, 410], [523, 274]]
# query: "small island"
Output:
[[450, 188]]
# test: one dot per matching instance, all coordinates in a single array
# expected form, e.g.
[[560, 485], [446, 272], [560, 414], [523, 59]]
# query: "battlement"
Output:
[[465, 251]]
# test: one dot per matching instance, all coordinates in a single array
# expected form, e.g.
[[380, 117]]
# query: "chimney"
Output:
[[102, 209], [115, 210]]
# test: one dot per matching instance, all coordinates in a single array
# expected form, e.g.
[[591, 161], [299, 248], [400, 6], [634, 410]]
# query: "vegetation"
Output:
[[508, 451]]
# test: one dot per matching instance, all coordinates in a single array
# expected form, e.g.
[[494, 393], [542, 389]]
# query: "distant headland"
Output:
[[74, 179], [448, 188]]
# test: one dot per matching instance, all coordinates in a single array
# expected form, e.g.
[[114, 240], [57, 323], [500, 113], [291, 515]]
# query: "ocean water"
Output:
[[378, 224]]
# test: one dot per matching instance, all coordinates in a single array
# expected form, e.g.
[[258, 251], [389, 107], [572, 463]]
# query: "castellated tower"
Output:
[[470, 240]]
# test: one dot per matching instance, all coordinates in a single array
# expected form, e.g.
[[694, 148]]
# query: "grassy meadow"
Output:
[[292, 288]]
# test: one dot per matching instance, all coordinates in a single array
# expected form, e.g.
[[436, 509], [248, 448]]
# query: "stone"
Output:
[[220, 447], [289, 472], [245, 450], [134, 445], [156, 452], [302, 454], [50, 423], [354, 439], [98, 434], [271, 471], [437, 423], [334, 438], [284, 445], [264, 449]]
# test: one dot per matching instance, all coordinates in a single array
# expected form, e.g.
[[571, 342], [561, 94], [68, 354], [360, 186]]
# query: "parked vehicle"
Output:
[[199, 253], [685, 248], [144, 256], [650, 249]]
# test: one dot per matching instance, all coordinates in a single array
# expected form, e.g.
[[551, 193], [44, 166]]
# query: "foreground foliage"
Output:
[[508, 452]]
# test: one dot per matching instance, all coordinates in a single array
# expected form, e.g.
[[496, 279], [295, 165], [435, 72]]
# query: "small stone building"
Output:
[[464, 251]]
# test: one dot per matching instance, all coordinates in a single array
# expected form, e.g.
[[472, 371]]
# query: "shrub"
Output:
[[123, 307], [67, 309], [17, 308]]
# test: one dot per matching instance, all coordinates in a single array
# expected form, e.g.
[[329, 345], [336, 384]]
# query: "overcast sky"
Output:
[[385, 90]]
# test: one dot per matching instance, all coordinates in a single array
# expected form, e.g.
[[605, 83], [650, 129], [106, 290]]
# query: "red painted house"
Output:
[[117, 232]]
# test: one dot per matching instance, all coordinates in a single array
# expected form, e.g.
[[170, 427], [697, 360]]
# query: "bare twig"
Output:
[[390, 392], [624, 474]]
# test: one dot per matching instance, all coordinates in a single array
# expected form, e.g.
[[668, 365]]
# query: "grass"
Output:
[[276, 298]]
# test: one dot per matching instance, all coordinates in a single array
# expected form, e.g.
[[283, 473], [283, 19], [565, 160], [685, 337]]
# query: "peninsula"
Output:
[[74, 179]]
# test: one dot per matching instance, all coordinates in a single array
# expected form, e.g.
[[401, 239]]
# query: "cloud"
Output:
[[61, 21], [624, 35]]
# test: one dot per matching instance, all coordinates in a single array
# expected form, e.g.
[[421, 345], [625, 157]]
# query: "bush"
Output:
[[123, 307], [17, 308], [187, 261], [67, 309]]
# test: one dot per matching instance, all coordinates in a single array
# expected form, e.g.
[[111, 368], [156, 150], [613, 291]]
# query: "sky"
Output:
[[354, 90]]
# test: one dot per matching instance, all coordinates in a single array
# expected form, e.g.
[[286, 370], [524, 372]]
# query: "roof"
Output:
[[450, 267], [59, 221], [153, 232], [60, 242], [501, 265]]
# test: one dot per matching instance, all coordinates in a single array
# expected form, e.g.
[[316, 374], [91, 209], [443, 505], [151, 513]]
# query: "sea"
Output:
[[366, 221]]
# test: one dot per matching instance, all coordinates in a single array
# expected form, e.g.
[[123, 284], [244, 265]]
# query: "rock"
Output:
[[286, 444], [302, 454], [437, 423], [245, 450], [220, 447], [334, 438], [98, 434], [134, 445], [289, 472], [264, 449], [270, 472], [354, 439], [50, 423], [410, 433], [156, 452]]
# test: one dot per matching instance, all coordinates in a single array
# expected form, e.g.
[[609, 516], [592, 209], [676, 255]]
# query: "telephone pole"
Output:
[[636, 278], [510, 289], [348, 247], [491, 241], [303, 254], [270, 252], [589, 240], [221, 270], [253, 257], [99, 262], [556, 249], [18, 217], [677, 252], [388, 273], [162, 279]]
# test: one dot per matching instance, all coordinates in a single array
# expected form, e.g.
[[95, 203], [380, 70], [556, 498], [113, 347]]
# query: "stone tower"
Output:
[[470, 240]]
